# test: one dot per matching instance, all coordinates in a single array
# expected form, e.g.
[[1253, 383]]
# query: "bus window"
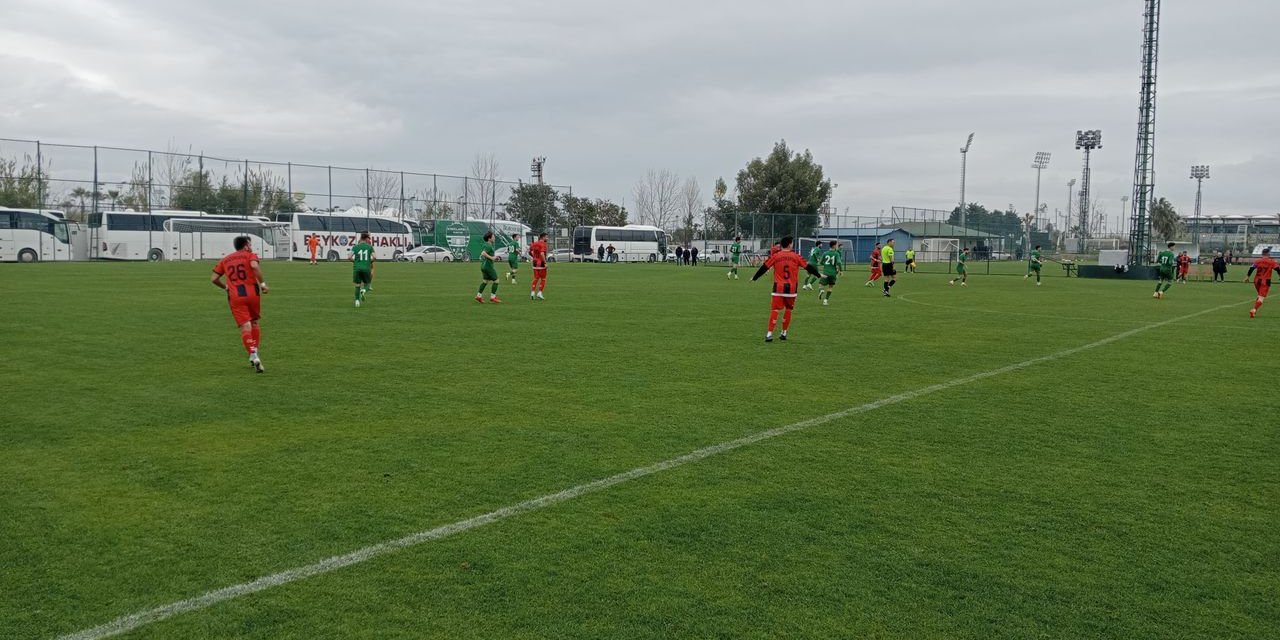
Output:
[[95, 220], [311, 223], [284, 217], [6, 220]]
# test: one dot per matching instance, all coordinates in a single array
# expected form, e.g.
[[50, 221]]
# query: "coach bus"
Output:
[[632, 243], [464, 238], [34, 235], [143, 235], [338, 232]]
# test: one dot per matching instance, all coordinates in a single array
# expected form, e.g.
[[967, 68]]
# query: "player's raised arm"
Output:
[[764, 268]]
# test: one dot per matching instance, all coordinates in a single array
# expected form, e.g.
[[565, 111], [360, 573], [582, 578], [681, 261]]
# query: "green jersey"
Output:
[[736, 250], [814, 254], [886, 255], [513, 253], [961, 260], [362, 256], [486, 255], [832, 262], [1165, 261], [1035, 258]]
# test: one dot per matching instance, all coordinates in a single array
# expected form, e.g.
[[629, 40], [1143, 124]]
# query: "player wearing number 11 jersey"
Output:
[[362, 267], [244, 286], [786, 265]]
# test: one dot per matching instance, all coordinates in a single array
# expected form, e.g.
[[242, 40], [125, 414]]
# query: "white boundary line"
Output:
[[142, 618]]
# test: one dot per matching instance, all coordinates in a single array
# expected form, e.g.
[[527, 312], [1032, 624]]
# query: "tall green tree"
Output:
[[20, 183], [258, 193], [1166, 224], [588, 212], [534, 205], [784, 182]]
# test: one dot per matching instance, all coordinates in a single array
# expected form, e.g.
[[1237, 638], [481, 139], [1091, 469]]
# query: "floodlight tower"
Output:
[[964, 160], [1039, 164], [1144, 161], [536, 167], [1087, 141], [1199, 173]]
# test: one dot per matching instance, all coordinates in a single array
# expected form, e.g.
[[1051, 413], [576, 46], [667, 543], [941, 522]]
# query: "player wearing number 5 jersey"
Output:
[[786, 265], [1261, 272], [244, 286], [362, 267]]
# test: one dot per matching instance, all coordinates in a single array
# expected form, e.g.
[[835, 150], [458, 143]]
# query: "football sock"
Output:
[[886, 286], [358, 296], [481, 289], [773, 319], [257, 333], [493, 289], [1257, 304], [246, 336], [786, 320]]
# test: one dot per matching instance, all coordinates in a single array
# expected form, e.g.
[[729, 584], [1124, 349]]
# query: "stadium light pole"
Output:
[[1087, 141], [964, 165], [1199, 173], [1071, 189], [1039, 164]]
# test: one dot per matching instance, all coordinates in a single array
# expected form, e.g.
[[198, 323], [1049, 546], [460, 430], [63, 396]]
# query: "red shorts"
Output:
[[783, 302], [876, 273], [1263, 287], [248, 309]]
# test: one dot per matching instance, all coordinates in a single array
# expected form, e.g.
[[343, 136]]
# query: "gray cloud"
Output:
[[883, 93]]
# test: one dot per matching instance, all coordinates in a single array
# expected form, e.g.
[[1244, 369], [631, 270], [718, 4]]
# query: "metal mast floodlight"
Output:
[[1087, 141], [1144, 162], [536, 167], [1039, 164], [1199, 173], [964, 160]]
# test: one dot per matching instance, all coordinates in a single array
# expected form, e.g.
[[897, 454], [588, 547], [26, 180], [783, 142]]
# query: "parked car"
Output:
[[500, 254], [427, 253], [563, 255]]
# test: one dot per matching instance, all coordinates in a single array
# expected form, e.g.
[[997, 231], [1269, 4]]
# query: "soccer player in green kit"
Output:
[[814, 255], [513, 257], [735, 258], [962, 271], [832, 265], [488, 273], [1034, 262], [362, 266], [1165, 265]]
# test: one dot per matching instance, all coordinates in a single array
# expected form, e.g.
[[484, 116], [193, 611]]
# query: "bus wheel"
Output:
[[332, 257], [27, 255], [155, 255]]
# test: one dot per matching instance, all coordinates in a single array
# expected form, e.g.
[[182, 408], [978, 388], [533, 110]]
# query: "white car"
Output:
[[563, 255], [427, 253]]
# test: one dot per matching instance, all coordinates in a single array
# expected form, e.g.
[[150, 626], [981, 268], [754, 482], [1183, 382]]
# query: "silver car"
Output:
[[427, 253]]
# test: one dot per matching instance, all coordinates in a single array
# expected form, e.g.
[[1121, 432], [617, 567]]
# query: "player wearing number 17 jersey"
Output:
[[786, 265], [1261, 272], [244, 286]]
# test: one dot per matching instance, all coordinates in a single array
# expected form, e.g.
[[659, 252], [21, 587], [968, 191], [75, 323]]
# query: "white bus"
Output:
[[33, 235], [339, 232], [632, 243], [142, 235]]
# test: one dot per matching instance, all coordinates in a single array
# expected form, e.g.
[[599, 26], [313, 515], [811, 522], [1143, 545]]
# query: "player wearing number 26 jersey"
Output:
[[786, 265], [244, 286], [1261, 272]]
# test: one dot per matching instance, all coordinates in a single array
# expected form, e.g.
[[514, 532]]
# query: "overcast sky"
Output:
[[882, 91]]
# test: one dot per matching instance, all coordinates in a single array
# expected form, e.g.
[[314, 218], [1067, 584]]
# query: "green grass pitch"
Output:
[[1131, 490]]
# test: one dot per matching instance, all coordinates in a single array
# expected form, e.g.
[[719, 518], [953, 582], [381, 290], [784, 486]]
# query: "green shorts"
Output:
[[829, 280], [514, 262], [960, 268], [1035, 267], [489, 273], [735, 260], [1166, 275], [362, 276]]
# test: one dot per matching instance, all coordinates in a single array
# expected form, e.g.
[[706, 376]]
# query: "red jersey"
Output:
[[538, 254], [774, 249], [1262, 268], [238, 269], [786, 265], [875, 258], [1184, 262]]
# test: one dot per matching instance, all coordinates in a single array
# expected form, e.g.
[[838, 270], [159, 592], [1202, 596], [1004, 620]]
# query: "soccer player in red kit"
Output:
[[1261, 272], [876, 272], [1184, 266], [244, 286], [786, 265], [538, 256]]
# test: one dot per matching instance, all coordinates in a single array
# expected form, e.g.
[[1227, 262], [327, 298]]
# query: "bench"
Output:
[[1069, 267]]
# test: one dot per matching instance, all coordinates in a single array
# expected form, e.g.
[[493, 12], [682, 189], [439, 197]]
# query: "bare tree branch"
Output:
[[658, 199], [482, 188]]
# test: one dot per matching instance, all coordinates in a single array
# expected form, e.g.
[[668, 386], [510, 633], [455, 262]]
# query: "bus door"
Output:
[[8, 251]]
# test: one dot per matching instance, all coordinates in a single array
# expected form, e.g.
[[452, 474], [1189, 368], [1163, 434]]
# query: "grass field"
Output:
[[1127, 490]]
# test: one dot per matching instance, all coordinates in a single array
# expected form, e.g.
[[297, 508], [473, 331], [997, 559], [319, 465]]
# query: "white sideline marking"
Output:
[[148, 616]]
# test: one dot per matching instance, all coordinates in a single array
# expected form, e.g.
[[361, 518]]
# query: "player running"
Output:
[[538, 257], [1165, 268], [313, 243], [786, 265], [832, 266], [1261, 272], [962, 272], [245, 287], [1034, 263], [815, 254], [1184, 266], [513, 257], [735, 258], [876, 272], [488, 274], [886, 264], [362, 267]]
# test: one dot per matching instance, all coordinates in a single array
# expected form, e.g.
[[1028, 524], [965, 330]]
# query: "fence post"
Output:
[[330, 188], [244, 180], [39, 176]]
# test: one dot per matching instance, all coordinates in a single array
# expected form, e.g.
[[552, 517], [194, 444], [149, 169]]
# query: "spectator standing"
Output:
[[1219, 267], [600, 253], [694, 251], [679, 255]]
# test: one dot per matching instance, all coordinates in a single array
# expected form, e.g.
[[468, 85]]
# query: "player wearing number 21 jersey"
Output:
[[786, 265], [244, 286], [1261, 272]]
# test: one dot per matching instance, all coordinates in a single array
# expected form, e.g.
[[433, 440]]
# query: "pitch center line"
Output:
[[148, 616]]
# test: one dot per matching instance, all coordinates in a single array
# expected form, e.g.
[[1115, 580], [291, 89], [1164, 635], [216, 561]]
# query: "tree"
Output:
[[690, 206], [20, 184], [173, 167], [258, 193], [438, 205], [380, 189], [534, 205], [784, 183], [113, 195], [658, 199], [81, 194], [136, 189], [482, 188], [1165, 222], [578, 211]]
